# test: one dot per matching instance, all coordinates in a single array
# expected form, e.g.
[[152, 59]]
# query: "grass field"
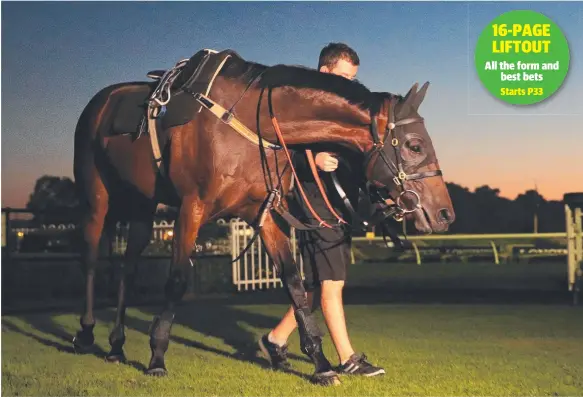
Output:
[[426, 348]]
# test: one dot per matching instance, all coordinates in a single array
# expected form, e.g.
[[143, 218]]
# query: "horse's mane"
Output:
[[303, 77]]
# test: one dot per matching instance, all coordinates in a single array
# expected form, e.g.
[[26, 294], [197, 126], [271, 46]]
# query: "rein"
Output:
[[312, 163], [317, 178]]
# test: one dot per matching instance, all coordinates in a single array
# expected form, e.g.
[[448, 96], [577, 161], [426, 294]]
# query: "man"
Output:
[[326, 252]]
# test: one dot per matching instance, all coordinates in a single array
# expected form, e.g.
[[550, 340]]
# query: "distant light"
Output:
[[168, 235], [20, 234]]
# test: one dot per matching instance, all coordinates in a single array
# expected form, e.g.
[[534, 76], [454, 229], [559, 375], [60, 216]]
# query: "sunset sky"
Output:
[[56, 56]]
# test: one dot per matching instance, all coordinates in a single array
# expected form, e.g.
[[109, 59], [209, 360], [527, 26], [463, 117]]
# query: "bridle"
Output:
[[398, 171]]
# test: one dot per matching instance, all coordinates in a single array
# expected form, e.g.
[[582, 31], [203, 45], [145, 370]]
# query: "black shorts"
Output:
[[325, 252], [326, 255]]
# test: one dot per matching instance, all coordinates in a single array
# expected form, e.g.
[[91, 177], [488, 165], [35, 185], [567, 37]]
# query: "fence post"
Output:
[[496, 259], [573, 217], [6, 240], [570, 247], [3, 229], [234, 252], [417, 253], [579, 249]]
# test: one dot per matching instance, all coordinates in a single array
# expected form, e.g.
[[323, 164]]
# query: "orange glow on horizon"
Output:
[[510, 188]]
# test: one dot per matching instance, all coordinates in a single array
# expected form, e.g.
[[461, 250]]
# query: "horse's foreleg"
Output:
[[190, 218], [138, 239], [92, 229], [277, 244]]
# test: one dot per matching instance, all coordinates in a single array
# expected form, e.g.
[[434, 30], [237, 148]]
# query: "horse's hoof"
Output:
[[159, 372], [81, 348], [115, 358], [329, 378]]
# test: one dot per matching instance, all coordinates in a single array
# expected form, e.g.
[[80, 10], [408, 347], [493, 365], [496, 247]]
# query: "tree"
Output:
[[54, 200], [484, 211]]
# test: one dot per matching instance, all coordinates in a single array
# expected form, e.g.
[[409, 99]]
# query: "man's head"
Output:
[[340, 59]]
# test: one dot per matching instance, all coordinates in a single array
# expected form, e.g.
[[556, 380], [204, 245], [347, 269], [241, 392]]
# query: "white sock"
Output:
[[273, 340]]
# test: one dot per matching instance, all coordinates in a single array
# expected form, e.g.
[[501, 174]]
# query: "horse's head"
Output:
[[404, 165]]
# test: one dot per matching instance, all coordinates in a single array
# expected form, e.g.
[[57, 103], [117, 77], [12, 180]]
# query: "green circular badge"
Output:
[[522, 57]]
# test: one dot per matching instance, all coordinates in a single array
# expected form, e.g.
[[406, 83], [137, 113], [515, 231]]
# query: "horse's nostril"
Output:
[[444, 215]]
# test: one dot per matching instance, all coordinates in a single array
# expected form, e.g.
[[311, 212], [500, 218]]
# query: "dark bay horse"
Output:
[[212, 172]]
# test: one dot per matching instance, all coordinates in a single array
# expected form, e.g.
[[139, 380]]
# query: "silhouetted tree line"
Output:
[[484, 211], [480, 211]]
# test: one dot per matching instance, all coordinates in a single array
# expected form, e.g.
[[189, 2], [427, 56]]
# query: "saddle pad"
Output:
[[130, 110], [125, 109]]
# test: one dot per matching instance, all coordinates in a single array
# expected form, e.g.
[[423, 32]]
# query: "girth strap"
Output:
[[153, 113], [157, 107]]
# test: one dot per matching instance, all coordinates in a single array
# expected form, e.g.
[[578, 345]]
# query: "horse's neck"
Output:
[[320, 119]]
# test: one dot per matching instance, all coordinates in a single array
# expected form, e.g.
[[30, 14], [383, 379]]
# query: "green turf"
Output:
[[542, 276], [437, 350]]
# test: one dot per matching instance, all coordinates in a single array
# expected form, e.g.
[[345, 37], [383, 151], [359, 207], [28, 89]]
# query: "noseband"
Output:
[[398, 171]]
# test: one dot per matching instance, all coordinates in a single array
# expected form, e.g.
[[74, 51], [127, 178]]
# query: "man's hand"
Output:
[[326, 162]]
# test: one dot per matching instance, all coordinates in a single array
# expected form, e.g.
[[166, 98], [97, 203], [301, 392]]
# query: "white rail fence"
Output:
[[255, 270]]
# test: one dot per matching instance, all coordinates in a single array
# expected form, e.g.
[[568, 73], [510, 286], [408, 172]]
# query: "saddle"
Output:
[[174, 90], [193, 76]]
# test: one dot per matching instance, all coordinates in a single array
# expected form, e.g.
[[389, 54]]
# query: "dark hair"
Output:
[[334, 52]]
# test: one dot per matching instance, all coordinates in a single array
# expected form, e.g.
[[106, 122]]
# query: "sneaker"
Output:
[[357, 365], [277, 355]]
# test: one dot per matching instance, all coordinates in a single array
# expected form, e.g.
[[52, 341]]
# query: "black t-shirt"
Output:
[[345, 178]]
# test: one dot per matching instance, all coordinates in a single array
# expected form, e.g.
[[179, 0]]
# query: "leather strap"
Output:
[[421, 175], [293, 221], [312, 163], [228, 118], [347, 203], [153, 132], [300, 187]]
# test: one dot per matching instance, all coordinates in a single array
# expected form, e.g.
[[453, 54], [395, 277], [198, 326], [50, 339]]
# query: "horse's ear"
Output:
[[411, 94], [419, 96]]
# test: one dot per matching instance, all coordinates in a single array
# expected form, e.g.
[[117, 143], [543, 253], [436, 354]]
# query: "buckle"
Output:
[[158, 111], [227, 117]]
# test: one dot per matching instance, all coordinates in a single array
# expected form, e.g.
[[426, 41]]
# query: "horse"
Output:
[[207, 170]]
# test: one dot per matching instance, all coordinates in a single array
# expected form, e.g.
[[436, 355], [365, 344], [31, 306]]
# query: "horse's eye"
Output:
[[414, 145]]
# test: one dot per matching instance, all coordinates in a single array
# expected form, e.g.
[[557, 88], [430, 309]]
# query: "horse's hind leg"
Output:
[[92, 226], [191, 216], [139, 236], [277, 245]]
